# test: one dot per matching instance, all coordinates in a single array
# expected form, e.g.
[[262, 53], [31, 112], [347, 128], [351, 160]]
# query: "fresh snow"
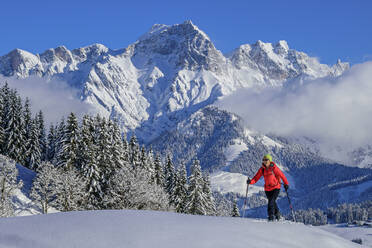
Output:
[[351, 232], [140, 229], [249, 135], [23, 205], [225, 182], [366, 162], [270, 143], [232, 151]]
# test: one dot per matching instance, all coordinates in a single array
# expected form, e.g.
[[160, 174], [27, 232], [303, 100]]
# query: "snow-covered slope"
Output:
[[351, 232], [226, 182], [22, 203], [139, 229], [168, 74]]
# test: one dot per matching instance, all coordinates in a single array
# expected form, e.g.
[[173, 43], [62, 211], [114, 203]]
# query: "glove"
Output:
[[248, 181], [286, 186]]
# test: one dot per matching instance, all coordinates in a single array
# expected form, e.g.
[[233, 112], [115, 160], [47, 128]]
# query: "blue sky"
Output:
[[326, 29]]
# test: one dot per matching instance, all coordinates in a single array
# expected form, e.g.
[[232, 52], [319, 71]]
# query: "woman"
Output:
[[272, 175]]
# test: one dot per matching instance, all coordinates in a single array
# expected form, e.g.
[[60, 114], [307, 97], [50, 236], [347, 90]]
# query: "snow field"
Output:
[[351, 232], [135, 229]]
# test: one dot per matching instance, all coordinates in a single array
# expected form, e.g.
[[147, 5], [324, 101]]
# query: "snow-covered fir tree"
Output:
[[52, 143], [196, 199], [88, 151], [235, 211], [135, 154], [5, 97], [59, 143], [143, 157], [104, 144], [71, 191], [179, 195], [44, 187], [131, 189], [224, 205], [125, 149], [150, 165], [314, 217], [42, 134], [170, 178], [69, 152], [159, 173], [27, 119], [2, 130], [349, 212], [117, 152], [94, 178], [210, 206], [86, 146], [8, 185], [33, 153], [14, 131]]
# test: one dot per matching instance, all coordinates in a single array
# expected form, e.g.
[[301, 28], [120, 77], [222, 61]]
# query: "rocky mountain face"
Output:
[[165, 76]]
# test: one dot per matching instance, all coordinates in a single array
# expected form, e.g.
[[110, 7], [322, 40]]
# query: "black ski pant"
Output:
[[272, 208]]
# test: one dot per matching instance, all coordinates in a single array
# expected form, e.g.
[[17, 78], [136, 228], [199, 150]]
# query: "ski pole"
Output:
[[290, 206], [245, 201]]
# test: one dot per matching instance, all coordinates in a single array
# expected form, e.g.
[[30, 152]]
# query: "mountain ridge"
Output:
[[169, 73]]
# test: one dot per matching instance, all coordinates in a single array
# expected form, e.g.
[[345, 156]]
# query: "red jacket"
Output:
[[272, 176]]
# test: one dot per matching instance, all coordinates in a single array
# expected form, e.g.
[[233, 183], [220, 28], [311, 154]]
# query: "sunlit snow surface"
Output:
[[140, 229], [351, 232], [225, 182], [23, 205]]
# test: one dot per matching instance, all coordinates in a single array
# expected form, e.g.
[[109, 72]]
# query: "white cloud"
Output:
[[55, 98], [334, 112]]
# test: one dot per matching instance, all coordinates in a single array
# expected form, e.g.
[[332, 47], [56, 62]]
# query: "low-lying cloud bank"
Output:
[[55, 98], [337, 112]]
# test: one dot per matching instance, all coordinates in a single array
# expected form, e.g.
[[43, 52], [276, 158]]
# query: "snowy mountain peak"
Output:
[[180, 31], [60, 53], [340, 67], [155, 29], [184, 45], [187, 26], [190, 26], [278, 62], [188, 22], [18, 62], [281, 47], [91, 52], [165, 76]]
